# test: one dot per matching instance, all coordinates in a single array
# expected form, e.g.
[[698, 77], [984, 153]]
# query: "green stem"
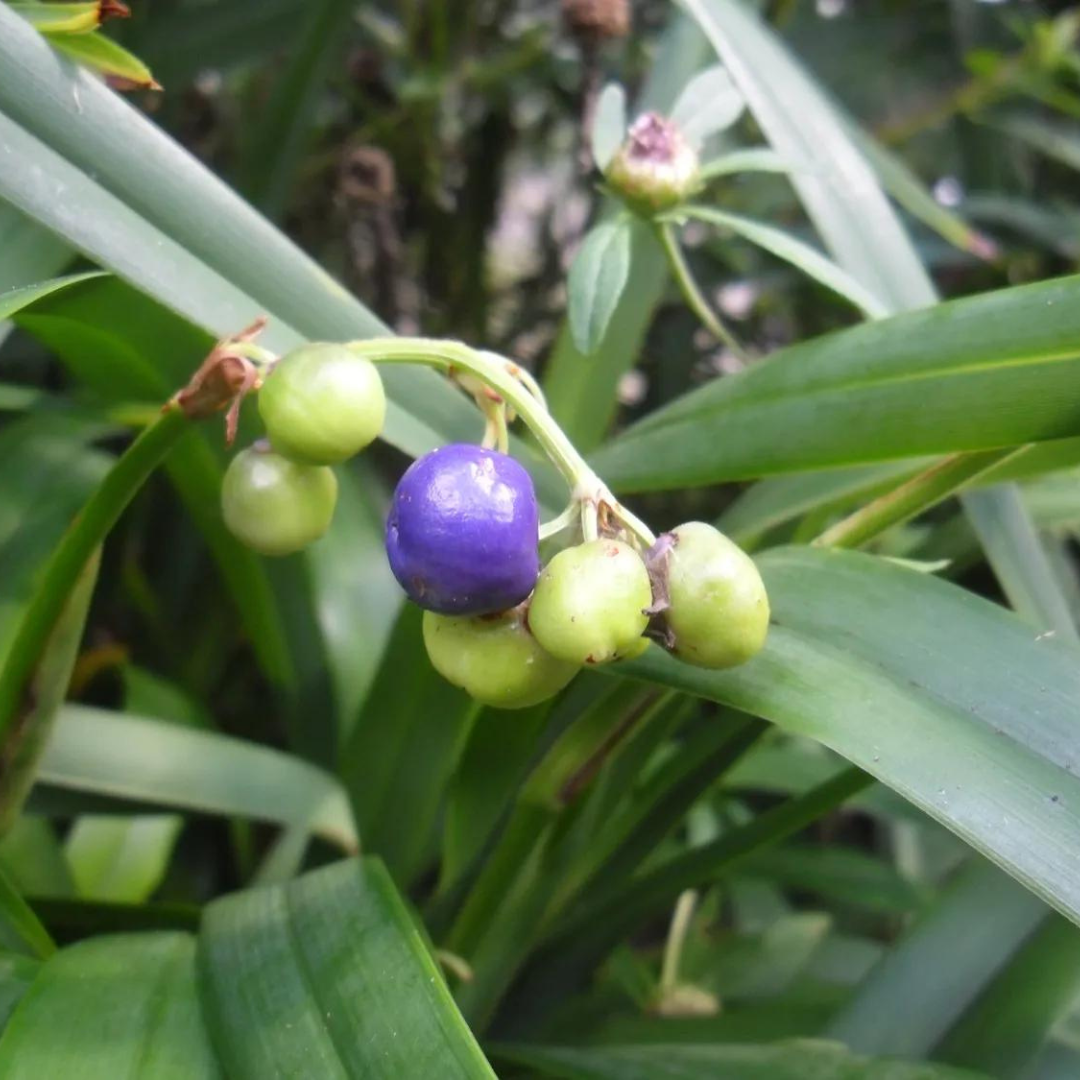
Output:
[[495, 372], [691, 293], [912, 497], [673, 947], [78, 544]]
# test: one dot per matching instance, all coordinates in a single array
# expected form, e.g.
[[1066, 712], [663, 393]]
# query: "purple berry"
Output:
[[463, 531]]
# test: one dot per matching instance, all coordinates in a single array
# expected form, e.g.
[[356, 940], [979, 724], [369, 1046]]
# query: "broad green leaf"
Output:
[[1004, 1030], [20, 929], [598, 276], [112, 1007], [33, 858], [833, 180], [156, 763], [31, 253], [784, 246], [924, 983], [995, 370], [795, 1060], [972, 709], [709, 103], [328, 976], [609, 124], [121, 859], [403, 750], [16, 975], [105, 56], [14, 300]]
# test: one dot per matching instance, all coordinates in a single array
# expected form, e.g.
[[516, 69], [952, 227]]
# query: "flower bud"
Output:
[[656, 168]]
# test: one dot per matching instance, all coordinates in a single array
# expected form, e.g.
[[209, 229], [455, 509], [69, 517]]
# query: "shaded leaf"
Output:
[[609, 124], [709, 103], [598, 276]]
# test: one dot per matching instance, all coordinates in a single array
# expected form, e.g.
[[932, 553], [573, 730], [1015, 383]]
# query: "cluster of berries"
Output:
[[321, 405], [463, 539]]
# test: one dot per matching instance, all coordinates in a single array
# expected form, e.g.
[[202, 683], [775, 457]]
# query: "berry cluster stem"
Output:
[[505, 378]]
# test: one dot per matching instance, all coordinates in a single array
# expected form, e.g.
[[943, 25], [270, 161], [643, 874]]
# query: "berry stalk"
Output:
[[494, 372]]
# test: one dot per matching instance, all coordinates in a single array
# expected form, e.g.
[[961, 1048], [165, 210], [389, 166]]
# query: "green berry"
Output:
[[589, 604], [494, 658], [719, 612], [321, 404], [275, 505]]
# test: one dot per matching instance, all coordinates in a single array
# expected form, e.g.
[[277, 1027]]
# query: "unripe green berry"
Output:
[[275, 505], [321, 404], [656, 168], [589, 604], [719, 612], [494, 658]]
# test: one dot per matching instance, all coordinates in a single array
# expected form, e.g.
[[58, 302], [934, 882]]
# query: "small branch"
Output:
[[692, 294], [912, 497], [673, 947]]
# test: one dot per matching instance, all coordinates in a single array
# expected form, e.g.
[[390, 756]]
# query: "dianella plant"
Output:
[[539, 540]]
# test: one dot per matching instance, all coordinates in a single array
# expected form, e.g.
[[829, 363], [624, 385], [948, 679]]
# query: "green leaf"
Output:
[[60, 18], [598, 276], [1004, 528], [784, 246], [749, 159], [32, 857], [1055, 140], [972, 715], [328, 976], [414, 726], [111, 1007], [923, 984], [709, 103], [121, 859], [16, 975], [14, 300], [1004, 1030], [990, 371], [833, 180], [848, 877], [20, 930], [795, 1060], [161, 764], [609, 124], [105, 56]]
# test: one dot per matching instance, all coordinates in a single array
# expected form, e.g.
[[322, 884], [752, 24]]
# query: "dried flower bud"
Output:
[[597, 20], [656, 168]]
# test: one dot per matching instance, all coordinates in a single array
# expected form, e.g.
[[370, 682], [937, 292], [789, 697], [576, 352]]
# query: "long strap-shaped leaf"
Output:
[[329, 977], [326, 977], [958, 705]]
